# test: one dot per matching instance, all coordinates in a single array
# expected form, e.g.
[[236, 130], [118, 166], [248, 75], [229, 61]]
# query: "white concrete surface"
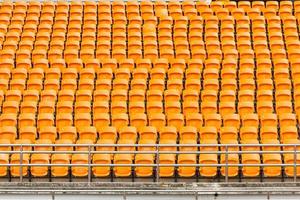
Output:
[[149, 197]]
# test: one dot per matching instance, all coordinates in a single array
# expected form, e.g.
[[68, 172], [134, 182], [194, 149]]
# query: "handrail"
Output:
[[222, 150], [150, 145]]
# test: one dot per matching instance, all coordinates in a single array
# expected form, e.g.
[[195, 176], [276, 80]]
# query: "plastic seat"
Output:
[[48, 133], [287, 119], [35, 84], [232, 159], [39, 171], [19, 73], [284, 107], [208, 171], [245, 108], [82, 120], [118, 107], [82, 107], [188, 133], [250, 119], [284, 84], [268, 132], [10, 107], [89, 133], [154, 107], [83, 95], [144, 159], [100, 120], [26, 119], [60, 171], [154, 95], [231, 120], [120, 120], [288, 133], [66, 96], [148, 133], [4, 158], [227, 96], [268, 119], [169, 159], [190, 107], [208, 133], [157, 120], [194, 120], [9, 133], [15, 84], [79, 159], [176, 120], [136, 95], [108, 134], [120, 171], [228, 133], [227, 108], [211, 84], [8, 119], [272, 171], [129, 133], [101, 159], [209, 96], [208, 107], [138, 120], [190, 95], [16, 159], [64, 119], [100, 107], [264, 95], [13, 95], [5, 73], [251, 159], [248, 133], [172, 107]]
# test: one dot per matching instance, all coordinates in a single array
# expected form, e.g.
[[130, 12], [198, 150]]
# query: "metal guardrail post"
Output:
[[89, 167], [295, 164], [226, 161], [21, 163], [157, 164]]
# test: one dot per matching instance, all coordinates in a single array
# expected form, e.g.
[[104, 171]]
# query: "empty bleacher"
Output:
[[221, 77]]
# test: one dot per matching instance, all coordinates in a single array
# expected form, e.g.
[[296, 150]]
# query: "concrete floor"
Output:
[[149, 197]]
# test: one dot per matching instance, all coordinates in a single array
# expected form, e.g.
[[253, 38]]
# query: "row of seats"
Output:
[[134, 95], [76, 57], [146, 8], [157, 120], [119, 5], [172, 109], [229, 131], [146, 159], [162, 65], [156, 84]]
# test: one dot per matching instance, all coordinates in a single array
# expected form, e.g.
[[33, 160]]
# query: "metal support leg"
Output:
[[226, 167], [89, 167], [157, 164], [295, 163], [21, 163]]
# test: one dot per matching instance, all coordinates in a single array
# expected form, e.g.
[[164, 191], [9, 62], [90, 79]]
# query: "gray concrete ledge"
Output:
[[149, 188]]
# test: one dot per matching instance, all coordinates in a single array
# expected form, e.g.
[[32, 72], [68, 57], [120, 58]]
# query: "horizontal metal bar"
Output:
[[149, 145], [151, 152], [142, 191], [149, 165]]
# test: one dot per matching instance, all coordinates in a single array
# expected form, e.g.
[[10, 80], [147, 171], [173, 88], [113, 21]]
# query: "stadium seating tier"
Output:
[[135, 73]]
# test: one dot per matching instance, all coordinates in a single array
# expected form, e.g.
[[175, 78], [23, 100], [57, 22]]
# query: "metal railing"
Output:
[[221, 149]]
